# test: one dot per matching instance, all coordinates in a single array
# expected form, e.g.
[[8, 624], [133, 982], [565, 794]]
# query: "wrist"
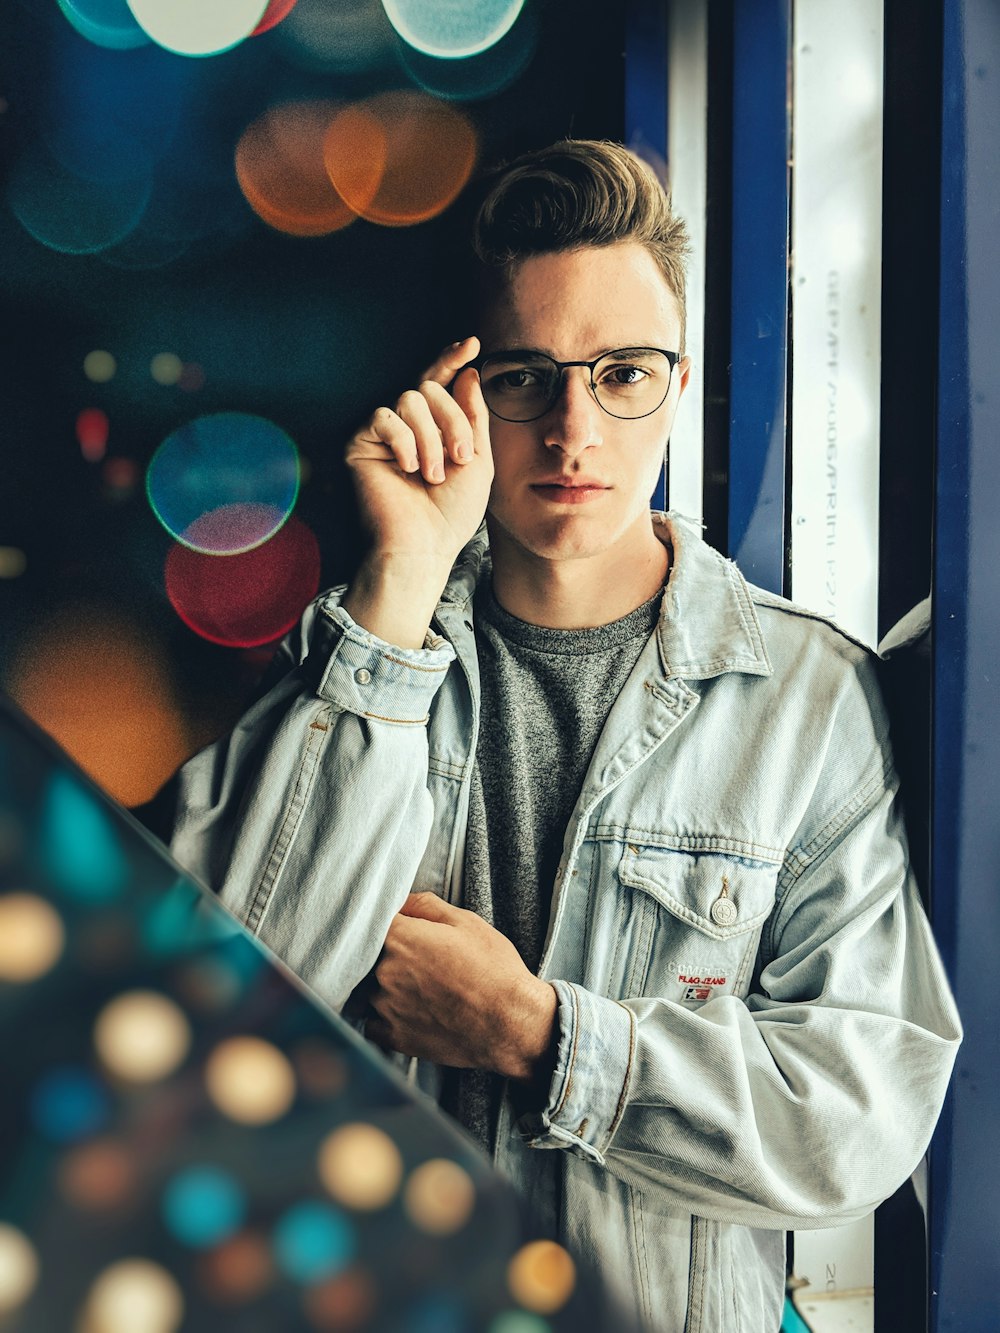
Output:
[[533, 1057], [394, 596]]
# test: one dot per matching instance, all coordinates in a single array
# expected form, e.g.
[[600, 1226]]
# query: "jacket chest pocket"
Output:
[[695, 919]]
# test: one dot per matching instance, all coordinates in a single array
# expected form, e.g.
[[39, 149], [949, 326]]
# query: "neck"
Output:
[[579, 593]]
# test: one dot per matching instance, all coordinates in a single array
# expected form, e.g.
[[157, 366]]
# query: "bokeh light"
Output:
[[98, 1175], [203, 1205], [142, 1036], [92, 430], [31, 937], [239, 1269], [192, 377], [194, 28], [282, 173], [312, 1241], [18, 1268], [400, 157], [541, 1276], [250, 1081], [209, 985], [275, 13], [13, 562], [321, 1071], [94, 680], [439, 1197], [69, 1104], [343, 1302], [120, 476], [166, 368], [99, 366], [245, 600], [79, 843], [134, 1296], [519, 1321], [68, 213], [453, 31], [107, 22], [479, 76], [360, 1166], [350, 37], [225, 483]]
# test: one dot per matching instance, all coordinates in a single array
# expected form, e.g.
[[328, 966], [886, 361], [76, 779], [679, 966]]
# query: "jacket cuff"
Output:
[[363, 674], [589, 1087]]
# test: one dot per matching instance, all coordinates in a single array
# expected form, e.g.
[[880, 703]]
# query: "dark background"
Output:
[[310, 333]]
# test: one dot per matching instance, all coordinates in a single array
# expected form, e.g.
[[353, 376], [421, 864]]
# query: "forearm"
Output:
[[310, 819]]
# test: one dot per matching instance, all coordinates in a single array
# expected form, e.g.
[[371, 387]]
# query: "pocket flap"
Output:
[[719, 894]]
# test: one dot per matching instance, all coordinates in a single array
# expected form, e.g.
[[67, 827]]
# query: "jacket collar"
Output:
[[708, 623]]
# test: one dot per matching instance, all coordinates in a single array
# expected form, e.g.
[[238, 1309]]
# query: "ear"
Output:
[[683, 373]]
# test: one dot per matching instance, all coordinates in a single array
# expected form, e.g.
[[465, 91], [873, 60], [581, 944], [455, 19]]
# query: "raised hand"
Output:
[[422, 472], [450, 988]]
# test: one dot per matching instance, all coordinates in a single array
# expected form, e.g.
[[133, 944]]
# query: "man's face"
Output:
[[575, 306]]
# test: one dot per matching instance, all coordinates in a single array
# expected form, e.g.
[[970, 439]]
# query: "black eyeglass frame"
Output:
[[562, 366]]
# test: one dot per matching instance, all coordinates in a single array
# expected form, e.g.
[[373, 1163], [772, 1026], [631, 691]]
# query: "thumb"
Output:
[[428, 907]]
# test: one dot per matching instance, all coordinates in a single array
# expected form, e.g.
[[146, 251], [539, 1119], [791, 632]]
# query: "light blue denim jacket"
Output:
[[755, 1030]]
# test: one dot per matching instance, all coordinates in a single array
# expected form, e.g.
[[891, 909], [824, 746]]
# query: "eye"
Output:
[[519, 378], [623, 375]]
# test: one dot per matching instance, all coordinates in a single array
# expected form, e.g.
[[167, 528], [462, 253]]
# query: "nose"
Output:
[[573, 422]]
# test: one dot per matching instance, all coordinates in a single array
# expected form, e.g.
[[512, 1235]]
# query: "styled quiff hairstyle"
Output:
[[576, 193]]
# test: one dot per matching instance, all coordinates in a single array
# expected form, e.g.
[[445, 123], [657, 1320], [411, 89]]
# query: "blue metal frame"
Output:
[[759, 337], [646, 105], [965, 1167]]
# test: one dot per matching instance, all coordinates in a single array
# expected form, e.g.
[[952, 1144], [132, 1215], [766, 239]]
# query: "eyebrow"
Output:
[[511, 352]]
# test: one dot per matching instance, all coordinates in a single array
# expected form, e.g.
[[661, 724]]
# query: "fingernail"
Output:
[[464, 451], [437, 472]]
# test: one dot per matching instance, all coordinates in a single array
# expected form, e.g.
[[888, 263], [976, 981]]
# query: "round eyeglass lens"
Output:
[[628, 383], [632, 383]]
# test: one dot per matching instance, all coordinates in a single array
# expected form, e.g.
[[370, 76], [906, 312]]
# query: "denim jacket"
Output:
[[755, 1030]]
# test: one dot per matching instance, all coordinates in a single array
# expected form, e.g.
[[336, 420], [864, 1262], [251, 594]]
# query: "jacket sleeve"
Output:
[[811, 1100], [310, 818]]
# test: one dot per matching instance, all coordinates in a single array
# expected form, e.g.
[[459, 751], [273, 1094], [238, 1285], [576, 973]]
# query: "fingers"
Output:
[[451, 361], [427, 430], [429, 907], [468, 394]]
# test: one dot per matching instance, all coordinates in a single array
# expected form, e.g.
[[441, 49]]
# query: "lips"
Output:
[[569, 490]]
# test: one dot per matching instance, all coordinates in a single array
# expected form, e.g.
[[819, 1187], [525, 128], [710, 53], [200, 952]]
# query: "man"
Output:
[[661, 921]]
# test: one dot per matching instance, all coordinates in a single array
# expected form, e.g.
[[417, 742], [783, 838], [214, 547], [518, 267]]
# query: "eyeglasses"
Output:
[[521, 385]]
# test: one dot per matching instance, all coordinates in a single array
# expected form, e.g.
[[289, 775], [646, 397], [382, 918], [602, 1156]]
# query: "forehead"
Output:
[[579, 303]]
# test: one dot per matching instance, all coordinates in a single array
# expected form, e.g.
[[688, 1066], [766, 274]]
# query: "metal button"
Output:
[[724, 911], [362, 676]]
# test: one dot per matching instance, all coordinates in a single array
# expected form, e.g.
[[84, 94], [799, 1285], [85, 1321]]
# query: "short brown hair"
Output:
[[578, 192]]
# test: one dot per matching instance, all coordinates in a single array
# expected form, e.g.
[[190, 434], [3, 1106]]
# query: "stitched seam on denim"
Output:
[[636, 979], [738, 594], [572, 1055], [400, 721], [745, 968], [639, 1231], [620, 1108], [737, 1321], [692, 1321], [800, 859], [415, 666], [445, 769], [283, 838], [694, 842]]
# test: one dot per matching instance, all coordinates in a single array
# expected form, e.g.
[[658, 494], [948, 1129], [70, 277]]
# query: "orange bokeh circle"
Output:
[[400, 157], [281, 170]]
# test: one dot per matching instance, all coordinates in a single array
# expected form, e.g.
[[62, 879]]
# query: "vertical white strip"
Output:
[[687, 105], [836, 309]]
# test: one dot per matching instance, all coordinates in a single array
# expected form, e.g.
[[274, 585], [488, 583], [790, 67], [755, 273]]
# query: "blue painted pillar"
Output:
[[965, 1161], [759, 337], [646, 105]]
